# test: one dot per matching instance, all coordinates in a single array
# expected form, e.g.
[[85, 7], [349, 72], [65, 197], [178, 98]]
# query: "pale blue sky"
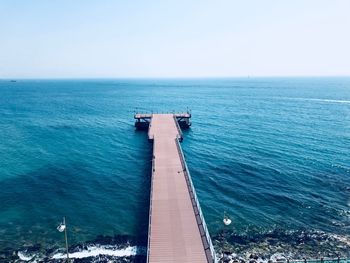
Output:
[[58, 38]]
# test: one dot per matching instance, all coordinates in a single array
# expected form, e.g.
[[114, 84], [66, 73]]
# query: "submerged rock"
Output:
[[278, 246]]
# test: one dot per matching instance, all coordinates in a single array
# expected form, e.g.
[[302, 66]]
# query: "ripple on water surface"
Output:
[[272, 153]]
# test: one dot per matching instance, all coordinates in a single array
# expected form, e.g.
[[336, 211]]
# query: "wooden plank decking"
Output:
[[177, 115], [174, 231]]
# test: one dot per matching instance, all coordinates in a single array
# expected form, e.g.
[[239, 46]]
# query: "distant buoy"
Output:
[[227, 221]]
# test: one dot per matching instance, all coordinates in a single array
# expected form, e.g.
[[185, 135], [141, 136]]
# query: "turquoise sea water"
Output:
[[274, 153]]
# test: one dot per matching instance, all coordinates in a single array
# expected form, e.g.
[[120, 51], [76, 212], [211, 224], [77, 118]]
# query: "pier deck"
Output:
[[177, 231]]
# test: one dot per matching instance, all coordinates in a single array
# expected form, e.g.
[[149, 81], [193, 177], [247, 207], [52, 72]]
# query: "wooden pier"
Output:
[[177, 230], [143, 120]]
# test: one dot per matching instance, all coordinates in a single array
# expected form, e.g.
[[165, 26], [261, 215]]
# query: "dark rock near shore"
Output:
[[278, 245]]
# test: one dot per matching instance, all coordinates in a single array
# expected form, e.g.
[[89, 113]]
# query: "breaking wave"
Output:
[[252, 247]]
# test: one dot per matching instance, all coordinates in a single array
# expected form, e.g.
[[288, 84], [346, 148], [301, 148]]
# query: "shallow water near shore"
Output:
[[271, 152]]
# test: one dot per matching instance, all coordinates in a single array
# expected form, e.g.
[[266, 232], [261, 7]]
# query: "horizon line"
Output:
[[173, 77]]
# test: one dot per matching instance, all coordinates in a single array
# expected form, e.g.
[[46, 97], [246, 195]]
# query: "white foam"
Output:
[[94, 251], [277, 257], [23, 256], [321, 100], [343, 239]]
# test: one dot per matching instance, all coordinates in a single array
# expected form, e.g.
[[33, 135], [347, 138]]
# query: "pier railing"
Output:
[[150, 204], [150, 137], [203, 229], [178, 128]]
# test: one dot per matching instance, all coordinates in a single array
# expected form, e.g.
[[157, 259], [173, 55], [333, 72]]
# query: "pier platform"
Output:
[[177, 230], [143, 120]]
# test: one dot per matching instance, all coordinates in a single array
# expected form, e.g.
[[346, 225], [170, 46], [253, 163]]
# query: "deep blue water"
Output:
[[274, 153]]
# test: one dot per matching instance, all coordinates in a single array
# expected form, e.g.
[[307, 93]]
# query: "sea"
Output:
[[272, 154]]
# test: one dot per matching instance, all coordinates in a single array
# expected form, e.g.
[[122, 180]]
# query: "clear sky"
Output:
[[101, 38]]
